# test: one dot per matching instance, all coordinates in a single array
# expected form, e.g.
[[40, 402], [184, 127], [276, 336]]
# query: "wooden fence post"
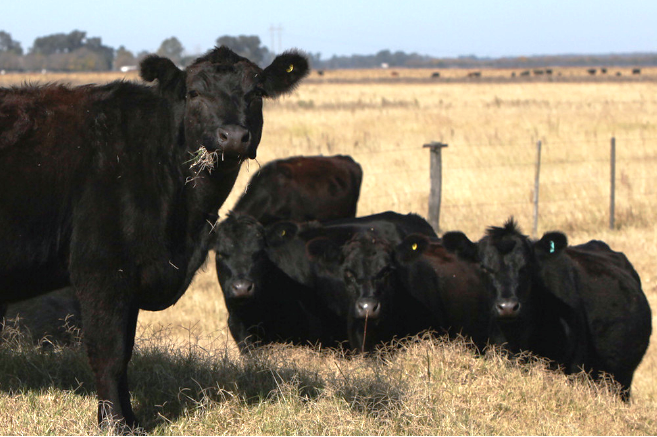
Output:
[[612, 196], [536, 186], [436, 183]]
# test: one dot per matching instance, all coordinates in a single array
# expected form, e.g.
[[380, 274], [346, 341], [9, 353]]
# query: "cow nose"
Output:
[[242, 288], [368, 307], [508, 308], [234, 139]]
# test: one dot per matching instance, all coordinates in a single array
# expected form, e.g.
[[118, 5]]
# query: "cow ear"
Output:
[[411, 248], [281, 232], [324, 251], [169, 77], [551, 243], [457, 242], [285, 73]]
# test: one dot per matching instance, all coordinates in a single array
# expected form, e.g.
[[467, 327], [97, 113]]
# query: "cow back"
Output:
[[303, 188]]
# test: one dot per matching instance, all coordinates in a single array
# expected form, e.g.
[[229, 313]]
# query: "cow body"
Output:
[[580, 306], [303, 188], [617, 311], [451, 289], [114, 189]]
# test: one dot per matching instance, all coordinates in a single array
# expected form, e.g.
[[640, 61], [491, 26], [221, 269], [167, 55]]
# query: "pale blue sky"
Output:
[[441, 28]]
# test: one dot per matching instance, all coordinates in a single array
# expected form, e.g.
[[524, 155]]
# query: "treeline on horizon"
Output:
[[77, 52]]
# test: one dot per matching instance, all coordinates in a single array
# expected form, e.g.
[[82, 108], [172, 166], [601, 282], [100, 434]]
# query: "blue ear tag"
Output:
[[551, 246]]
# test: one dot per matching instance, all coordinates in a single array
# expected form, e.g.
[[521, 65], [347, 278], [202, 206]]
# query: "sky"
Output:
[[438, 28]]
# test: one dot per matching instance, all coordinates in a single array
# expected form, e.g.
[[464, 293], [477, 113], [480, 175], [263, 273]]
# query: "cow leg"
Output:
[[109, 332]]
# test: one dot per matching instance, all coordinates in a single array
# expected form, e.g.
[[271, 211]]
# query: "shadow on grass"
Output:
[[168, 381]]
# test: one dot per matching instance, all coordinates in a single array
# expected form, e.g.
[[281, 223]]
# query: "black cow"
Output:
[[580, 306], [303, 188], [264, 304], [54, 317], [451, 289], [115, 189], [332, 258]]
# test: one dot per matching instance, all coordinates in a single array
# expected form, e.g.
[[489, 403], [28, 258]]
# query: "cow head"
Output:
[[240, 258], [511, 263], [364, 266], [220, 96]]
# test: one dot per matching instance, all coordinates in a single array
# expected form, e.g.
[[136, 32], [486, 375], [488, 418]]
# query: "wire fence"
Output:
[[577, 183]]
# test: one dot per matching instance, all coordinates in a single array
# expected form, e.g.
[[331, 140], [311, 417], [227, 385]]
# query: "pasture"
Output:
[[187, 376]]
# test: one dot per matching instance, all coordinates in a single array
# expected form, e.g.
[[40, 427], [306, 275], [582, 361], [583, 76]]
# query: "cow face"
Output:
[[511, 263], [220, 97], [240, 258], [506, 258], [364, 266]]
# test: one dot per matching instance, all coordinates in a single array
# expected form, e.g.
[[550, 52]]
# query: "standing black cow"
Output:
[[264, 304], [580, 306], [115, 189], [303, 188]]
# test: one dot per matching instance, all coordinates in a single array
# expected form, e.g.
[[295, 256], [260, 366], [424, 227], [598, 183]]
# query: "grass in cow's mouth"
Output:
[[203, 160]]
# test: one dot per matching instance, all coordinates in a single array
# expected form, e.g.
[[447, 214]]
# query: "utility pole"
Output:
[[272, 32]]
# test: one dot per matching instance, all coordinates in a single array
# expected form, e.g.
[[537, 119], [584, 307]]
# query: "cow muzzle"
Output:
[[508, 309], [242, 289], [368, 307], [234, 140]]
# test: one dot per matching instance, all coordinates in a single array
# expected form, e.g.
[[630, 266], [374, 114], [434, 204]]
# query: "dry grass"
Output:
[[491, 129]]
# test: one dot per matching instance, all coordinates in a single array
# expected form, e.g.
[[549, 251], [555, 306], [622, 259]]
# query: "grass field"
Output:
[[186, 375]]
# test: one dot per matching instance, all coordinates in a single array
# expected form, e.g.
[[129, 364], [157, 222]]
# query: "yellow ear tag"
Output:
[[414, 246], [283, 233], [290, 68]]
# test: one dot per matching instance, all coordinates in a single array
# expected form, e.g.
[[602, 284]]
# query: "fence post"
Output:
[[536, 185], [612, 197], [436, 183]]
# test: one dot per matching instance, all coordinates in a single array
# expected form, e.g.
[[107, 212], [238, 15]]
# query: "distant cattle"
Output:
[[114, 189], [525, 73], [435, 75], [592, 71], [264, 304], [303, 188], [636, 71], [322, 257], [474, 74], [539, 72], [579, 306]]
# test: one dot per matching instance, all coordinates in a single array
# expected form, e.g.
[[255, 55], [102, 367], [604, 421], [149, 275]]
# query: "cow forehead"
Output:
[[367, 257], [510, 252], [244, 75], [235, 235]]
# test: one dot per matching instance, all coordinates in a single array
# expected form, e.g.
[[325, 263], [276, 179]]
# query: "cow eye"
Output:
[[222, 255], [384, 273], [259, 93], [192, 94], [486, 269]]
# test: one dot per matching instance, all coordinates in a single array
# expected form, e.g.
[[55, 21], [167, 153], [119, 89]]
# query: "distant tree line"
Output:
[[76, 51]]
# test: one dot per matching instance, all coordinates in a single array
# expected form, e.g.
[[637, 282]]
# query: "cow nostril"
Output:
[[246, 137], [222, 135]]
